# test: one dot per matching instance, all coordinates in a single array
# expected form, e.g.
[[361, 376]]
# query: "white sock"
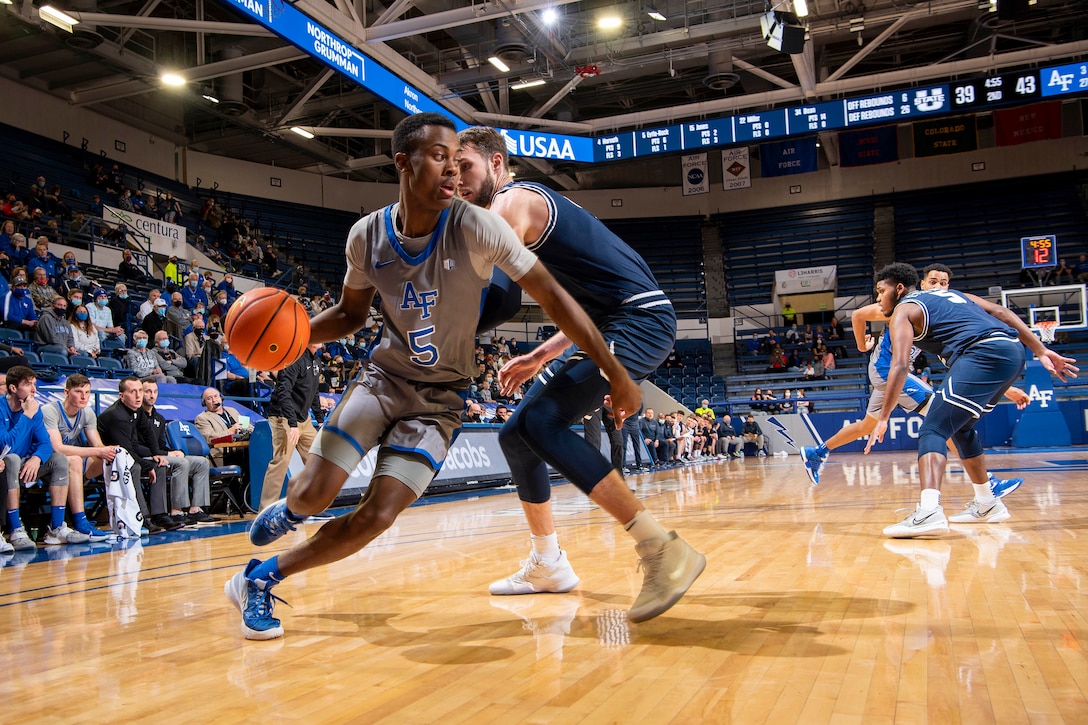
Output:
[[645, 527], [546, 548], [931, 499], [983, 494]]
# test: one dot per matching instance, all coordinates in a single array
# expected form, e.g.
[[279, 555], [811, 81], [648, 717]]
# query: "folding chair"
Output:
[[184, 436]]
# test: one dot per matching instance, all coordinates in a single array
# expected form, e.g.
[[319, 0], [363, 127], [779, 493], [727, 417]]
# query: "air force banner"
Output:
[[736, 169], [696, 180], [784, 158]]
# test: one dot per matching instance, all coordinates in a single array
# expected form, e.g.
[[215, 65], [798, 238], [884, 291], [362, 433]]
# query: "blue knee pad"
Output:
[[932, 442]]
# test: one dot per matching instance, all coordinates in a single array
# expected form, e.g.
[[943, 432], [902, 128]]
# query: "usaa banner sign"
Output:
[[695, 176], [547, 145]]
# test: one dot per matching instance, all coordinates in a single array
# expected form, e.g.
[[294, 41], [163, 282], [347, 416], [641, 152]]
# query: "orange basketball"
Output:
[[267, 329]]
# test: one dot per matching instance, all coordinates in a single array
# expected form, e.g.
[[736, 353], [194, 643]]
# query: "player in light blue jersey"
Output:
[[915, 396], [615, 286], [983, 345], [430, 256]]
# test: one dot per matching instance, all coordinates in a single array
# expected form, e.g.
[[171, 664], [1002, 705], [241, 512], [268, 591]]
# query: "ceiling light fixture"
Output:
[[302, 132], [60, 19], [6, 2], [800, 8], [655, 14], [209, 97], [609, 22], [172, 79], [527, 84], [549, 16], [497, 62]]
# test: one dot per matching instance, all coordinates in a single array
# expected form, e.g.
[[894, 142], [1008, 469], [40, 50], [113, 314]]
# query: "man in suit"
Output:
[[217, 421]]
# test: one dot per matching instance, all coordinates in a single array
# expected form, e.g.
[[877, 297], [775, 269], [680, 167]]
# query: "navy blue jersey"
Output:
[[596, 267], [952, 323]]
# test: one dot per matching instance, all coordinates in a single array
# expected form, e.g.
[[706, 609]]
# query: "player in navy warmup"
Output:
[[983, 345], [615, 286]]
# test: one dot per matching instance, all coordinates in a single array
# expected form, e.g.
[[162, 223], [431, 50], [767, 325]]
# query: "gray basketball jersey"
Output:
[[432, 287], [73, 430]]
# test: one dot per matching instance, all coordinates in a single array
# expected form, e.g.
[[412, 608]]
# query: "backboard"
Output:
[[1064, 303]]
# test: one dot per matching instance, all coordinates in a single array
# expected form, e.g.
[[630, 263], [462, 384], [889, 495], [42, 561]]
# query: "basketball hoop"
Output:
[[1045, 330]]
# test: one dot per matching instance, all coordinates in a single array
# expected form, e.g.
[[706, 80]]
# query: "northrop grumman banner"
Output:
[[162, 237], [806, 279], [696, 180]]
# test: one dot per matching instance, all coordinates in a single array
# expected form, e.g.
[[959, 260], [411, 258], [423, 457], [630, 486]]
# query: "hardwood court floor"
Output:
[[805, 614]]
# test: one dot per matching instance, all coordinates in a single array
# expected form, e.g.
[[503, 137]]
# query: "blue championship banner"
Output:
[[945, 136], [784, 158], [869, 146]]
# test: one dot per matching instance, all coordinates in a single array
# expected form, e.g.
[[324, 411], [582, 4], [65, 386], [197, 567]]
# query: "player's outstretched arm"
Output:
[[1062, 367], [902, 332], [858, 318], [515, 372], [344, 318], [1018, 396], [575, 323]]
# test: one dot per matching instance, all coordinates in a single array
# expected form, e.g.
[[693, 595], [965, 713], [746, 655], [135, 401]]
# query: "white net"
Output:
[[1045, 330]]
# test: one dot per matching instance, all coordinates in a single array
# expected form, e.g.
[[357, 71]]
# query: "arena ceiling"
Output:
[[704, 59]]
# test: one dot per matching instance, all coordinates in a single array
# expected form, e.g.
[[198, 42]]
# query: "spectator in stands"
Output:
[[97, 207], [129, 269], [222, 304], [41, 292], [789, 315], [124, 201], [192, 292], [803, 404], [53, 333], [123, 424], [786, 404], [474, 413], [42, 257], [151, 206], [809, 372], [793, 335], [777, 363], [7, 230], [76, 280], [818, 372], [674, 361], [178, 318], [752, 433], [793, 362], [218, 420], [227, 285], [148, 305], [704, 409], [30, 457], [501, 414], [170, 362], [102, 317], [154, 321], [54, 205], [1082, 268], [144, 363], [185, 471], [84, 332], [194, 346], [35, 196], [73, 432], [116, 182], [1063, 273], [756, 401], [75, 298], [770, 403], [170, 209], [807, 335], [121, 306], [236, 374], [836, 332], [829, 361], [18, 310], [80, 224]]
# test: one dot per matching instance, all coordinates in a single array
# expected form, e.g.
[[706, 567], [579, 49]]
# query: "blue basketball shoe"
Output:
[[1002, 487], [814, 462], [255, 600], [271, 523]]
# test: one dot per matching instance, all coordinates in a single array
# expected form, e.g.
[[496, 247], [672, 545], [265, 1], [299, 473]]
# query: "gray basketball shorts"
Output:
[[913, 398], [413, 421]]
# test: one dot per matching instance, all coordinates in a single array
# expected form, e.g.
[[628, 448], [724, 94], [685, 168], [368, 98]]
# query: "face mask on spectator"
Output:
[[164, 344], [60, 310], [77, 300], [141, 343], [177, 304], [198, 311], [193, 284], [102, 301], [122, 295], [81, 316], [19, 291]]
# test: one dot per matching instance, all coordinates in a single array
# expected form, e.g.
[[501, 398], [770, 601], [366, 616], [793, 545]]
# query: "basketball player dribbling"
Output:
[[429, 256]]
